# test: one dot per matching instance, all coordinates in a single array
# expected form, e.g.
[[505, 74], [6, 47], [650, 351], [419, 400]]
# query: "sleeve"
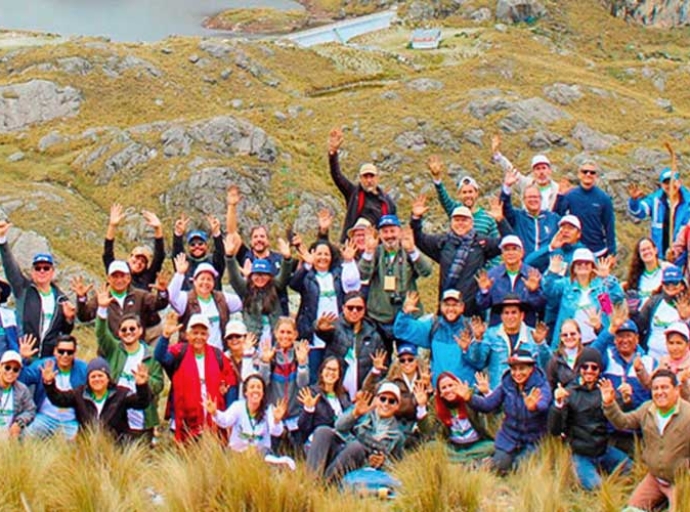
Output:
[[508, 210], [428, 244], [176, 297], [625, 421], [349, 277], [422, 266], [107, 342], [346, 187], [229, 417], [302, 375], [478, 353], [413, 330], [155, 301], [108, 253], [158, 255], [546, 397], [282, 280], [444, 198], [539, 259], [297, 281], [140, 399], [164, 356], [367, 265], [641, 208], [238, 283], [14, 275], [557, 422], [554, 286], [233, 301], [177, 246], [59, 398], [155, 376], [305, 422], [31, 374], [610, 225], [346, 421], [275, 428], [219, 255], [371, 381], [26, 408], [614, 288], [543, 354], [488, 403]]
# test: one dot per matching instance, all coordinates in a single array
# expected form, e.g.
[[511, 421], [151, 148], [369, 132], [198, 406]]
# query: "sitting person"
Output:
[[678, 347], [561, 369], [17, 408], [9, 332], [240, 350]]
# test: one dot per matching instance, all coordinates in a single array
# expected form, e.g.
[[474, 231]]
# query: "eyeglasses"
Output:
[[588, 366], [569, 335], [355, 309], [589, 172], [197, 243], [405, 360], [43, 268], [65, 352], [128, 329], [234, 336], [10, 368], [388, 400]]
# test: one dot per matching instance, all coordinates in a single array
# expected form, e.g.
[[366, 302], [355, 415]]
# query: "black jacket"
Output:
[[323, 413], [215, 258], [304, 282], [558, 371]]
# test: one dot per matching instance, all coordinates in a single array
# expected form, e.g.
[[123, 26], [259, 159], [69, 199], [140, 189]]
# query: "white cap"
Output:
[[677, 327], [205, 267], [235, 327], [468, 180], [198, 319], [389, 387], [461, 211], [118, 266], [583, 255], [12, 356], [511, 240], [451, 294], [540, 159], [572, 220]]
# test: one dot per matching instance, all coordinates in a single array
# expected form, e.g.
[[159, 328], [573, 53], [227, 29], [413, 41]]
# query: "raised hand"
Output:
[[233, 195], [349, 251], [4, 228], [103, 296], [556, 263], [560, 393], [484, 282], [634, 191], [419, 207], [363, 405], [80, 288], [181, 224], [539, 332], [214, 224], [407, 239], [682, 304], [306, 255], [284, 248], [378, 360], [495, 144], [151, 219], [141, 374], [464, 340], [495, 209], [249, 343], [267, 351], [280, 409], [608, 393], [326, 322], [335, 140], [302, 352], [436, 167], [618, 317], [626, 391], [564, 186], [181, 263], [307, 400], [420, 393], [463, 390], [246, 269], [511, 177], [48, 372], [171, 325], [411, 302], [27, 346], [593, 318], [377, 459], [478, 327], [325, 220], [482, 383], [371, 240], [532, 399], [533, 280], [232, 243], [604, 265], [162, 281], [116, 215], [637, 363]]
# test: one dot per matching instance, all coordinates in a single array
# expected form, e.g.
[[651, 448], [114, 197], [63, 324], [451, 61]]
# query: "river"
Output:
[[121, 20]]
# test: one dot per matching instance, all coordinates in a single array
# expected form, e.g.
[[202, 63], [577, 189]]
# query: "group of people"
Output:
[[530, 323]]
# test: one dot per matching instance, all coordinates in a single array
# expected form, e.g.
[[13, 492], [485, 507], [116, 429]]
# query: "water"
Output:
[[121, 20]]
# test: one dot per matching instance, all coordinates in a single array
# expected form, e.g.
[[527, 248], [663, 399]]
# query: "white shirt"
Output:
[[664, 316], [135, 417], [47, 311]]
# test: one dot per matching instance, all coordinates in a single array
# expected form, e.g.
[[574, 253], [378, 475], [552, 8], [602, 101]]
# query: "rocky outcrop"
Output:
[[516, 11], [37, 101], [653, 13]]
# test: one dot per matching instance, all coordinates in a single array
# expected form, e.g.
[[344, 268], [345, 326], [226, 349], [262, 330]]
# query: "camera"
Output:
[[396, 299]]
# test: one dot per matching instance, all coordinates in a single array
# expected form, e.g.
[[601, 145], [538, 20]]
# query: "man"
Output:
[[361, 435], [532, 224], [461, 252], [124, 353], [358, 234], [391, 268], [352, 338], [656, 206], [441, 334], [43, 310], [577, 416], [199, 251], [665, 423], [366, 199], [594, 208], [51, 419], [512, 277], [124, 298], [144, 264], [17, 408], [468, 193], [493, 349], [564, 243], [9, 333]]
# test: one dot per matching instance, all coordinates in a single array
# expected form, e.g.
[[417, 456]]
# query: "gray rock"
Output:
[[280, 116], [225, 74], [480, 108], [75, 65], [501, 27], [563, 94], [193, 58], [37, 101], [514, 122], [16, 157], [176, 142], [209, 80], [132, 155], [236, 103], [592, 140], [481, 15], [243, 61], [230, 136], [517, 11], [166, 50], [390, 95], [217, 49], [413, 140], [50, 140], [649, 158], [654, 13], [474, 137], [538, 109], [134, 62], [665, 104], [544, 139], [425, 85]]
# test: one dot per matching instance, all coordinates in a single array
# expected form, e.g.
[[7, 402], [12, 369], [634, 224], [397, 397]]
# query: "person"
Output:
[[561, 369], [42, 309], [588, 289], [100, 402], [353, 338], [240, 350], [216, 306], [252, 421], [124, 352], [322, 282], [199, 250], [644, 275], [564, 244], [441, 334], [460, 252], [511, 277], [9, 332], [678, 348], [577, 416], [664, 422], [361, 435], [525, 395], [17, 408], [358, 235], [71, 373], [324, 402], [260, 290], [144, 264], [365, 199], [594, 208], [448, 416], [198, 371], [468, 193], [126, 299], [504, 340], [657, 207], [391, 264]]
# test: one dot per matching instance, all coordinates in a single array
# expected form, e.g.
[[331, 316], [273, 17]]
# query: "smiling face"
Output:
[[9, 372], [647, 251], [137, 264], [322, 258], [204, 283], [677, 346], [119, 281], [542, 174], [253, 393], [588, 176], [570, 334], [532, 199], [359, 237], [408, 364], [520, 372], [626, 343], [452, 309], [569, 233], [582, 270], [354, 310], [390, 237], [672, 289], [259, 240], [387, 404], [511, 316], [42, 274], [330, 373], [98, 382], [664, 393], [130, 331], [64, 353], [369, 181], [512, 255], [259, 279], [197, 247], [447, 387], [285, 334], [468, 195], [589, 373], [461, 225], [197, 337], [234, 342]]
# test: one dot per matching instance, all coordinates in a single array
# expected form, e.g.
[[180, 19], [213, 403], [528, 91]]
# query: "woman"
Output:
[[240, 350], [322, 282], [215, 305], [325, 401], [17, 408], [465, 433], [252, 420], [260, 291], [586, 290], [644, 274], [561, 367]]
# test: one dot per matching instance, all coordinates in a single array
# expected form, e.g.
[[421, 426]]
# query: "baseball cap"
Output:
[[461, 211], [11, 356], [118, 266], [368, 169], [389, 220], [235, 327], [521, 356], [197, 233], [572, 220], [583, 254], [666, 173], [451, 294], [261, 266], [407, 348], [511, 240], [468, 180], [205, 267], [671, 275], [389, 387], [540, 159], [628, 326], [43, 257], [680, 328], [199, 319], [144, 252]]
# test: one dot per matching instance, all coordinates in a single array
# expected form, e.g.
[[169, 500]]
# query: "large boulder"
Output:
[[655, 13], [36, 101], [517, 11]]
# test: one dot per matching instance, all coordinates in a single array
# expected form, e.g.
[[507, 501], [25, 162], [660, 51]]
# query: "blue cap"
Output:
[[628, 326], [43, 257], [665, 174], [197, 233], [672, 275], [261, 267], [389, 220], [407, 348]]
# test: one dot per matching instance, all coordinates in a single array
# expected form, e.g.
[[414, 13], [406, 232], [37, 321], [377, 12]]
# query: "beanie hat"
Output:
[[98, 364], [590, 355]]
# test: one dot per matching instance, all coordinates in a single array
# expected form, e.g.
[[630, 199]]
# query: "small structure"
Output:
[[425, 39]]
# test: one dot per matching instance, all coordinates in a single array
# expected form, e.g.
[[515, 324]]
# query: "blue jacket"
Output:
[[594, 208], [493, 351], [535, 232], [9, 332], [437, 334], [655, 205], [533, 302], [31, 376], [540, 259], [520, 427]]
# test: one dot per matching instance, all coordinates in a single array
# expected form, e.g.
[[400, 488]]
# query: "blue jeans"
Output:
[[44, 427], [586, 467]]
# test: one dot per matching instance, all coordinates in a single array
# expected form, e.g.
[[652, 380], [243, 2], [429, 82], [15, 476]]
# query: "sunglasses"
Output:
[[128, 329], [197, 243], [587, 171], [356, 309], [234, 337], [43, 268], [65, 352], [388, 400], [568, 335], [10, 368], [588, 366], [406, 359]]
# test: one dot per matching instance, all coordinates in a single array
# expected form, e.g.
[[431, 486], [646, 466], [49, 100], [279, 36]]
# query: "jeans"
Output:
[[502, 462], [586, 467], [44, 427]]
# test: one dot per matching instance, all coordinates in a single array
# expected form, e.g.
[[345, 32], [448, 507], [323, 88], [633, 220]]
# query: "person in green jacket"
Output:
[[124, 353]]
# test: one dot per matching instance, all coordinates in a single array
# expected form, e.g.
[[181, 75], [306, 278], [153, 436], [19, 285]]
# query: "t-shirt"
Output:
[[328, 301], [333, 401], [119, 297], [62, 414], [461, 430], [664, 316], [209, 308], [6, 410], [201, 368], [649, 282], [584, 305], [135, 417], [47, 311], [663, 419], [99, 403]]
